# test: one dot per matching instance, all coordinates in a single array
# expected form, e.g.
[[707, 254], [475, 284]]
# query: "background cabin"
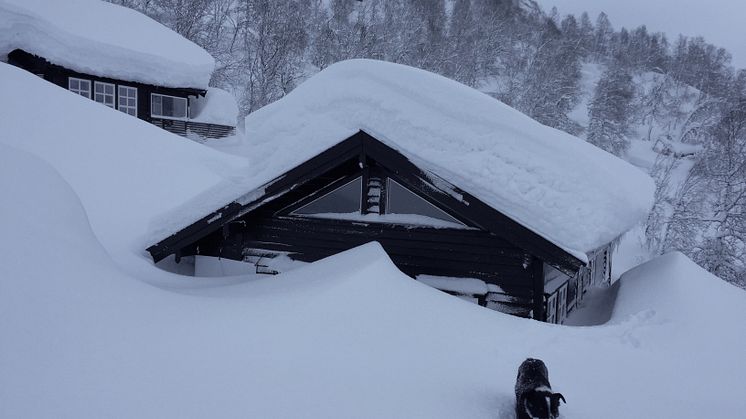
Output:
[[172, 109]]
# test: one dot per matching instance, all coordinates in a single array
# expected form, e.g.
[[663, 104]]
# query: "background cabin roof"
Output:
[[573, 194], [118, 43]]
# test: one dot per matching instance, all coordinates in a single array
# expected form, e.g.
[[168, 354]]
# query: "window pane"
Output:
[[156, 105], [130, 102], [74, 84], [401, 200], [179, 108], [109, 89], [343, 200], [168, 106]]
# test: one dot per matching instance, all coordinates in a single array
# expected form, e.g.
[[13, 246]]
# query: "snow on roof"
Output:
[[217, 107], [564, 189], [103, 39]]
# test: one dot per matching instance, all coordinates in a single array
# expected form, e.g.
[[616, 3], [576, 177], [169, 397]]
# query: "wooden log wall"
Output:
[[430, 251]]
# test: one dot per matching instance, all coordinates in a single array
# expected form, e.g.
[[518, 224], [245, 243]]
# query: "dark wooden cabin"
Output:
[[165, 107], [362, 190]]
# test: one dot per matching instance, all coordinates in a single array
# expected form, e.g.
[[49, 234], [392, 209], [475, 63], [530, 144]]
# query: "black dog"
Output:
[[533, 394]]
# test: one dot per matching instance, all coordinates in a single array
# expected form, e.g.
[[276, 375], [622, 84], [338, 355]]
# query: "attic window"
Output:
[[104, 93], [343, 200], [402, 201], [163, 106], [128, 100], [79, 86]]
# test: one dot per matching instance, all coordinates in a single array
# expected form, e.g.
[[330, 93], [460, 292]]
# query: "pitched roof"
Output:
[[103, 39], [571, 193]]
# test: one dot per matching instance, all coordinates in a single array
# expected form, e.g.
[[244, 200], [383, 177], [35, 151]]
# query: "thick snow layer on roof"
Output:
[[217, 107], [559, 186], [125, 171], [103, 39]]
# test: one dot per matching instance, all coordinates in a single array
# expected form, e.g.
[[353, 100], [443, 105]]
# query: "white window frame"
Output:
[[79, 91], [126, 108], [113, 95], [179, 118]]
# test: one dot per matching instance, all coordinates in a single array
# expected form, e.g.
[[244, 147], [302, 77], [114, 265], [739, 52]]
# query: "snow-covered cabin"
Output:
[[462, 191], [119, 58]]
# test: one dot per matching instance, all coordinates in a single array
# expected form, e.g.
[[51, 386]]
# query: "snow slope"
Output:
[[125, 171], [348, 336], [217, 107], [103, 39], [566, 190]]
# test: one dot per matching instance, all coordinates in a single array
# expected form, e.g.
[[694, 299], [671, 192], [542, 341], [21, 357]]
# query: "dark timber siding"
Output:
[[441, 252]]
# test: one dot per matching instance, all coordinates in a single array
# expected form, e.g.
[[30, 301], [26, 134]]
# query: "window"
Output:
[[128, 100], [168, 106], [343, 200], [562, 305], [79, 86], [400, 200], [552, 308], [104, 93]]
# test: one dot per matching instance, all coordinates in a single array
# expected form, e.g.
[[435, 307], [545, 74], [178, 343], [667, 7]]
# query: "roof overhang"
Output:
[[364, 145]]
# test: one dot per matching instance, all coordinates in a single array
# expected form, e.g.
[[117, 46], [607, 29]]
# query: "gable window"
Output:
[[79, 86], [343, 200], [128, 100], [104, 93], [163, 106], [402, 201]]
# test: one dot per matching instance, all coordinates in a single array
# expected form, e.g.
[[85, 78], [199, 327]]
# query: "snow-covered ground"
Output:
[[124, 170], [90, 328], [349, 336]]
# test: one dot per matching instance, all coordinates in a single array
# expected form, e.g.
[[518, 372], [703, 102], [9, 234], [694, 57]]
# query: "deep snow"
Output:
[[126, 171], [114, 41], [217, 107], [349, 336], [84, 333]]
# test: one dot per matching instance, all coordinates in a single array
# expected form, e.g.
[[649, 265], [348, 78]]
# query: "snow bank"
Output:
[[564, 189], [103, 39], [125, 171], [348, 336], [217, 107]]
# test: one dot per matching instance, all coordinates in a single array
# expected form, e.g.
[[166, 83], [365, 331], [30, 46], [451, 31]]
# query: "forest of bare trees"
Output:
[[533, 58]]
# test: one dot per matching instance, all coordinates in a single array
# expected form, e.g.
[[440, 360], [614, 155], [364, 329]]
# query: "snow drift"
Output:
[[125, 171], [564, 189], [348, 336], [103, 39]]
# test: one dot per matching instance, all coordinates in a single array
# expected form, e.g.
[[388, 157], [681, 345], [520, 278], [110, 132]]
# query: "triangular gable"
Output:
[[317, 176]]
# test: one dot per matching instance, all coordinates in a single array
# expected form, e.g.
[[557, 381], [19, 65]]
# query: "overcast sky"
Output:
[[721, 22]]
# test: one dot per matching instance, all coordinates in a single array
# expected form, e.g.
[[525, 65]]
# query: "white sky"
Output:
[[721, 22]]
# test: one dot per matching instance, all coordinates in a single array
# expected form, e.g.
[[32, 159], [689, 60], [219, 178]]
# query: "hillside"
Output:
[[674, 106]]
